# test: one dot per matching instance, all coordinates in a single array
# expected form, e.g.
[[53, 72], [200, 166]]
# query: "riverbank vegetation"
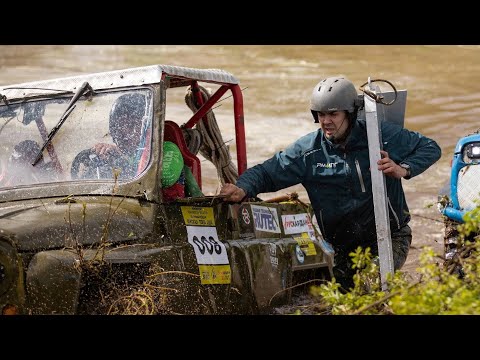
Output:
[[440, 290]]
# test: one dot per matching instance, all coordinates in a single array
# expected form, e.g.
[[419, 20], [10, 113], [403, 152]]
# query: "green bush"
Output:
[[437, 292]]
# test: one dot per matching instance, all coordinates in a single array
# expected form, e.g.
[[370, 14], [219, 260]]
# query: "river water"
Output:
[[443, 84]]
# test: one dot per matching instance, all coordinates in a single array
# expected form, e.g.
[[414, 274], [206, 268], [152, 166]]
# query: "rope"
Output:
[[193, 138], [213, 148]]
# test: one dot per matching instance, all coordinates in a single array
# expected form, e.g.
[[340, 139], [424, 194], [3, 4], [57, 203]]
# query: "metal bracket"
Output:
[[379, 191]]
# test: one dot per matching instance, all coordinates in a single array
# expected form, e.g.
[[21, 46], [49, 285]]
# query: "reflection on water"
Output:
[[442, 84]]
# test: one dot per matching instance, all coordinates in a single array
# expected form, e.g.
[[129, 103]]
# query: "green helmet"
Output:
[[334, 94], [172, 164]]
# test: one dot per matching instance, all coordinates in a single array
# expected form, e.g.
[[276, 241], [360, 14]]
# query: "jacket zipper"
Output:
[[359, 172], [394, 213]]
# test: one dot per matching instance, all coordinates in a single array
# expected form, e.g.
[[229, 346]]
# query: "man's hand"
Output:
[[232, 193], [106, 150], [390, 167]]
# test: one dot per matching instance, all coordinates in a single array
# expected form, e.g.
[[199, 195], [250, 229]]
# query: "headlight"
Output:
[[471, 152]]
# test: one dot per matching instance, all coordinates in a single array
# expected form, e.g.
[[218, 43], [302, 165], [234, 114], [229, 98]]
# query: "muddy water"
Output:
[[443, 84]]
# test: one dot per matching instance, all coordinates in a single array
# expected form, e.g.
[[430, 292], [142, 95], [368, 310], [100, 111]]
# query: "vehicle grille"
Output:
[[468, 187]]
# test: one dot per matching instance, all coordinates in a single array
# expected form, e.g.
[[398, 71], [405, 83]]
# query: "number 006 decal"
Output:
[[211, 255]]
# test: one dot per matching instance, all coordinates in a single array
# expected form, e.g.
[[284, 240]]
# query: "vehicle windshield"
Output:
[[106, 136]]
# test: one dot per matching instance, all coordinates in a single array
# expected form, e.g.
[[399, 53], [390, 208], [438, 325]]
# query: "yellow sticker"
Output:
[[215, 274], [306, 244], [198, 216]]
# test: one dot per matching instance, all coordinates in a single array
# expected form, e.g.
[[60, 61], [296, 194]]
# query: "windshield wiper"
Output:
[[85, 86]]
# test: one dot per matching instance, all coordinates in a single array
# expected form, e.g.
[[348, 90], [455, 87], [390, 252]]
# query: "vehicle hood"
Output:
[[36, 225]]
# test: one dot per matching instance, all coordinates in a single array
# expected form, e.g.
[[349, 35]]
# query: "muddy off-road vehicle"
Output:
[[96, 217], [460, 195]]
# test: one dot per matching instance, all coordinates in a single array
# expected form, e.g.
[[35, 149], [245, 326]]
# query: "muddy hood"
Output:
[[40, 225]]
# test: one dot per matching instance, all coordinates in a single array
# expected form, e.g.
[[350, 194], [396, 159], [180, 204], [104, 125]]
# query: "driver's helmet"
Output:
[[334, 94], [25, 152], [126, 116]]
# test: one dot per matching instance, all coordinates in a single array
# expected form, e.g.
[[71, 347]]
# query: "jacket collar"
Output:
[[354, 138]]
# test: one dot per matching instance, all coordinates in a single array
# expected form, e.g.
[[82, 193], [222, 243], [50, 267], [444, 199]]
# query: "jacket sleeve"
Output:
[[410, 147], [284, 169]]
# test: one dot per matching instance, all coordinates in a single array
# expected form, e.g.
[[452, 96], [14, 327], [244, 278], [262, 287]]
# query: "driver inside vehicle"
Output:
[[19, 169], [126, 125]]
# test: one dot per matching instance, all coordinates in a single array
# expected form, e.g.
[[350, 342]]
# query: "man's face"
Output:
[[334, 124], [127, 133]]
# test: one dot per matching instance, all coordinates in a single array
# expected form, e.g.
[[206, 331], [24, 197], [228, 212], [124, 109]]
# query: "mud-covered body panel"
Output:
[[261, 256], [43, 224], [241, 275]]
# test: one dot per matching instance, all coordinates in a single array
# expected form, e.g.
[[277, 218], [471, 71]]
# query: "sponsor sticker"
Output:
[[298, 223], [273, 255], [211, 255], [245, 216], [215, 274], [265, 219], [300, 254], [306, 244], [326, 247], [198, 216]]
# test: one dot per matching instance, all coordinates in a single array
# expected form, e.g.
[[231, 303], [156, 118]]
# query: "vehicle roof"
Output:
[[114, 79]]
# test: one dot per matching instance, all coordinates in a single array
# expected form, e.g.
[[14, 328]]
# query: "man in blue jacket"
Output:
[[333, 165]]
